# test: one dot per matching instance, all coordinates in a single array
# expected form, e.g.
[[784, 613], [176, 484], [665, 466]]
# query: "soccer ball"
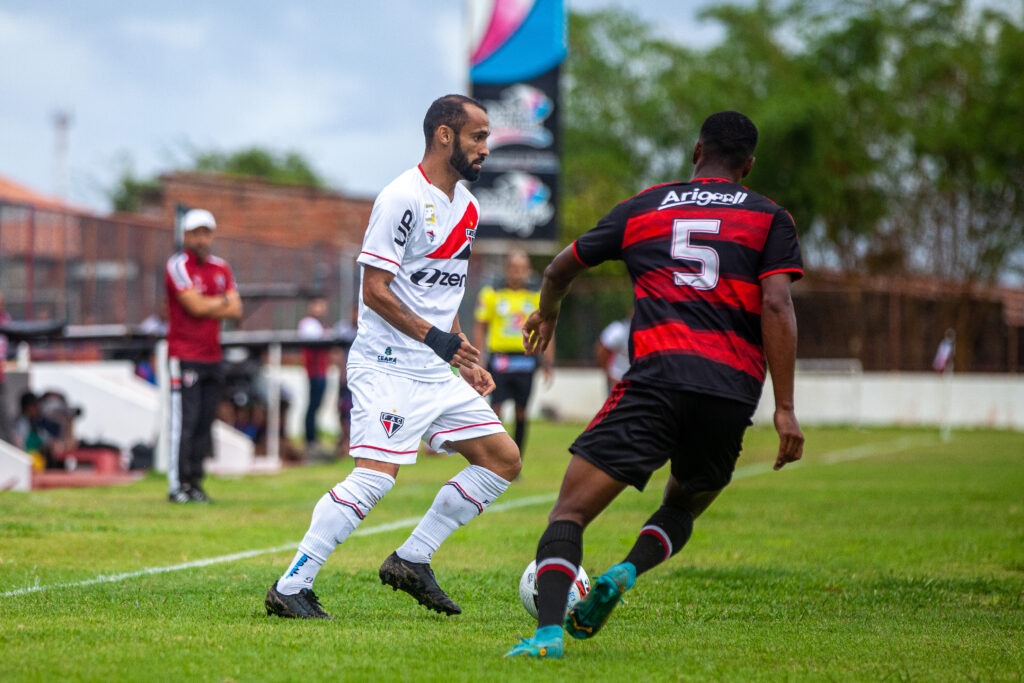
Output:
[[528, 588]]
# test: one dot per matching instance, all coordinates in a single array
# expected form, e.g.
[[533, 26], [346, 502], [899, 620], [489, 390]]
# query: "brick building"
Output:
[[272, 213]]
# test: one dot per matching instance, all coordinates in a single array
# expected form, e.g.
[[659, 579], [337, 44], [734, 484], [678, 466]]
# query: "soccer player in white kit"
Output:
[[415, 259]]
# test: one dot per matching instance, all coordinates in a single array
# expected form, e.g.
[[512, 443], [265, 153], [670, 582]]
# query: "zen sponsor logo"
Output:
[[391, 423], [429, 277], [700, 198]]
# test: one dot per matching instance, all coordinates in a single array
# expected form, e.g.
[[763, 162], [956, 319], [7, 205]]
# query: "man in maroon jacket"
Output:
[[200, 293]]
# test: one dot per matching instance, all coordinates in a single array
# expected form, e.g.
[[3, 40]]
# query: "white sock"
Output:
[[335, 517], [461, 499]]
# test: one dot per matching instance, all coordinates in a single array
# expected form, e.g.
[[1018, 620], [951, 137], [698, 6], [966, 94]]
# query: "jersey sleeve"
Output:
[[781, 252], [484, 312], [603, 242], [229, 278], [177, 276], [392, 220]]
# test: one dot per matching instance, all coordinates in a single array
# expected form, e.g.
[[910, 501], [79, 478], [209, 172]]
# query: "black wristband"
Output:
[[444, 344]]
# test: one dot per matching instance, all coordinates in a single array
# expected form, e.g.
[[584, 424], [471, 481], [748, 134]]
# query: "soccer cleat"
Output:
[[178, 496], [197, 495], [302, 605], [591, 612], [545, 644], [417, 579]]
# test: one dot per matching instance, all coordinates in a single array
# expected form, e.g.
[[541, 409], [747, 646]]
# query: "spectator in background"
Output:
[[943, 360], [5, 422], [500, 314], [345, 331], [201, 293], [38, 435], [315, 360], [612, 350], [154, 326]]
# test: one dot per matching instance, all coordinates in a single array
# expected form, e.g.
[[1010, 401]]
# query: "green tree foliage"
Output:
[[289, 168], [890, 128]]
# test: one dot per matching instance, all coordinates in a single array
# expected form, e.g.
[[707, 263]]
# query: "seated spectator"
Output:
[[36, 434]]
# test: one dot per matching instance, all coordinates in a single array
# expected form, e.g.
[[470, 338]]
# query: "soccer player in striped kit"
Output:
[[201, 293], [711, 264]]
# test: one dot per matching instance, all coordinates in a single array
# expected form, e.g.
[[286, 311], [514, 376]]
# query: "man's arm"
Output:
[[778, 328], [539, 328], [378, 296], [198, 305]]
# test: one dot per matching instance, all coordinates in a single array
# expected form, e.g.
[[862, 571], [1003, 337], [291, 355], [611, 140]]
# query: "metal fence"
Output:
[[88, 270]]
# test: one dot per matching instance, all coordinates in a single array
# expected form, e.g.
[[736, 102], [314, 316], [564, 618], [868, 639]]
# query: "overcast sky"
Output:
[[343, 82]]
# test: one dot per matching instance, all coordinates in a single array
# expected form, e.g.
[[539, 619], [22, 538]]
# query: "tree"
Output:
[[289, 168]]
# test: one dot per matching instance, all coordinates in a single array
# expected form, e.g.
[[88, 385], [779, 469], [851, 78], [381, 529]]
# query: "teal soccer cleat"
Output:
[[545, 644], [588, 615]]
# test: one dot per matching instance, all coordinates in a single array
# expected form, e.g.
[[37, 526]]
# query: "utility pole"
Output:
[[61, 126]]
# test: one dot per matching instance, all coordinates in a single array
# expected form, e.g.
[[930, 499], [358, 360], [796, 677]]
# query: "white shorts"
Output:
[[390, 415]]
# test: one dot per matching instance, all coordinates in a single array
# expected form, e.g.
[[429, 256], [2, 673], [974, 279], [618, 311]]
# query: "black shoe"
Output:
[[178, 496], [417, 579], [302, 605], [198, 495]]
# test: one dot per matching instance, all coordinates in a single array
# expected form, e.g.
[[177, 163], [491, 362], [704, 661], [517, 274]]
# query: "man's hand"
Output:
[[466, 356], [537, 332], [478, 378], [452, 348], [791, 439]]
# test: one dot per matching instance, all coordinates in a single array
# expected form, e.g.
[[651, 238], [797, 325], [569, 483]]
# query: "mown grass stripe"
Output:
[[831, 458]]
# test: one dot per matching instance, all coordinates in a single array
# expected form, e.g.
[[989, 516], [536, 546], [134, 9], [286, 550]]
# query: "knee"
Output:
[[506, 460]]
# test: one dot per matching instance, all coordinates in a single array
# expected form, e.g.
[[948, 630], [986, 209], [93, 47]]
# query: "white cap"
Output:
[[198, 218]]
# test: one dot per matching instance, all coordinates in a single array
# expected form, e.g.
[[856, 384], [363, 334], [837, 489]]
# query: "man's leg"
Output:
[[184, 420], [494, 462], [316, 395], [211, 382], [335, 517], [586, 491]]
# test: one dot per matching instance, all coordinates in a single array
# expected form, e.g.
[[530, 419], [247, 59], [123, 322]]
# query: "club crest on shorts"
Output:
[[392, 423]]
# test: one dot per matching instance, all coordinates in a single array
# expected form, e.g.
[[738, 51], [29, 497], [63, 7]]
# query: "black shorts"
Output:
[[641, 427], [510, 382]]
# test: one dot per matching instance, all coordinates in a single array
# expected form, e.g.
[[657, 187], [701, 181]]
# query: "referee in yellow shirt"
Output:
[[500, 314]]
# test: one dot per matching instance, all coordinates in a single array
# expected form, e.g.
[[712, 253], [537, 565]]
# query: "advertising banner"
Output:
[[518, 47]]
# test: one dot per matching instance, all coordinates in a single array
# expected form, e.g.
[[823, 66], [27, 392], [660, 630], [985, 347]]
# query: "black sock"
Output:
[[664, 535], [558, 558], [520, 435]]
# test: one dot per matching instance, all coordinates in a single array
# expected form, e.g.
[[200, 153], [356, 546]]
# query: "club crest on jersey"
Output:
[[391, 422], [429, 214], [387, 357]]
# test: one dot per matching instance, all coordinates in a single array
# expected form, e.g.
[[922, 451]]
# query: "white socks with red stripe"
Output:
[[461, 499], [335, 517]]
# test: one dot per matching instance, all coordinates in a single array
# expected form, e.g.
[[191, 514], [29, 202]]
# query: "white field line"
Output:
[[831, 458]]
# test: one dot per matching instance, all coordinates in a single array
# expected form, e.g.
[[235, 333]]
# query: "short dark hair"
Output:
[[730, 137], [450, 111], [28, 399]]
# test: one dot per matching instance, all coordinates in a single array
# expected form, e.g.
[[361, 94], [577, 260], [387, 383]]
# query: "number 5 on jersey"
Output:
[[682, 250]]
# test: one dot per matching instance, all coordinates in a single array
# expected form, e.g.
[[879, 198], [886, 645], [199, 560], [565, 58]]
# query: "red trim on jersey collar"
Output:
[[424, 174], [713, 180]]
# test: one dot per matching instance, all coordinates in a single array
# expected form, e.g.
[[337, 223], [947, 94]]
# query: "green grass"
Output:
[[888, 555]]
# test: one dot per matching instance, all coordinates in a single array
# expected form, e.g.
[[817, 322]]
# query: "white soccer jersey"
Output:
[[424, 238]]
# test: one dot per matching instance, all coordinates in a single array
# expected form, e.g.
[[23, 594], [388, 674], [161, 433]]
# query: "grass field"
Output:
[[888, 554]]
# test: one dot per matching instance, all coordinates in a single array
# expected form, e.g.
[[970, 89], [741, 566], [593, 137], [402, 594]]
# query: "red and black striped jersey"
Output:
[[696, 252]]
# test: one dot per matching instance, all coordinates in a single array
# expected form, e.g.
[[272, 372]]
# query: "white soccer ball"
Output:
[[528, 588]]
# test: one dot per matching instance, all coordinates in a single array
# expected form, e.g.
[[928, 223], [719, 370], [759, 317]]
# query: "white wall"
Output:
[[123, 409], [868, 399]]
